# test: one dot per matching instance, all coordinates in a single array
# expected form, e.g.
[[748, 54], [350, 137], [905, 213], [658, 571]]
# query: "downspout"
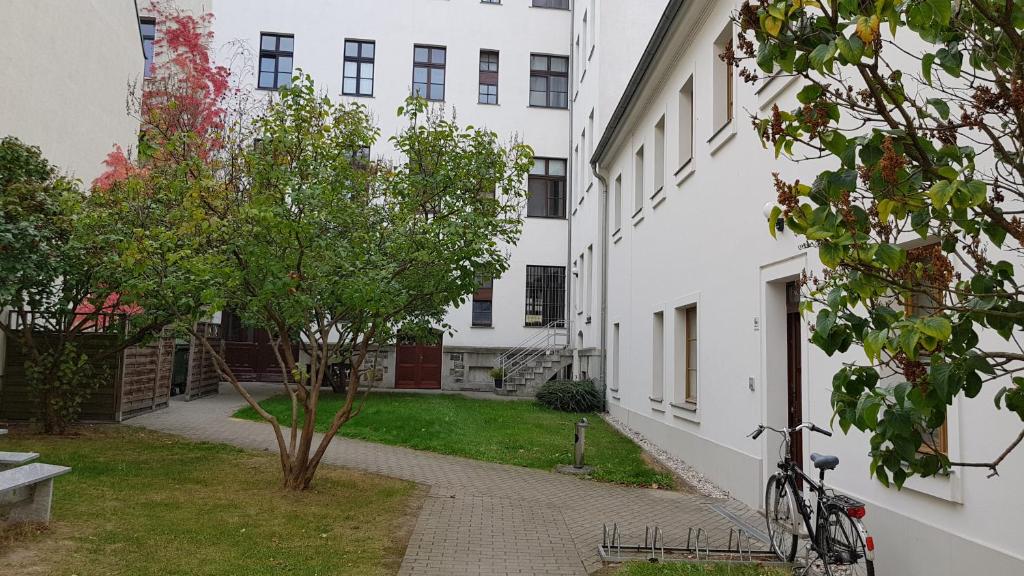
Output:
[[604, 276], [570, 162]]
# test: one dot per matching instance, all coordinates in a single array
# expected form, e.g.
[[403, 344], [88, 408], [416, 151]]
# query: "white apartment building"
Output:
[[503, 65], [698, 323], [66, 94]]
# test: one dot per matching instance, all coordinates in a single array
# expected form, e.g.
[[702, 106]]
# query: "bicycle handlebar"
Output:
[[786, 431]]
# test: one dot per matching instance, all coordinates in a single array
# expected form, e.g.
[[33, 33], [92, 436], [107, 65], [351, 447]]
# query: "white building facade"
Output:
[[499, 65], [701, 338]]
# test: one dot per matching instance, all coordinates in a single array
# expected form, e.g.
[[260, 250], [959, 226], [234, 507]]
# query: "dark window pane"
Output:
[[366, 71]]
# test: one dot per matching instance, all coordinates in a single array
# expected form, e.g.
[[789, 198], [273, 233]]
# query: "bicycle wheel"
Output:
[[780, 513], [847, 554]]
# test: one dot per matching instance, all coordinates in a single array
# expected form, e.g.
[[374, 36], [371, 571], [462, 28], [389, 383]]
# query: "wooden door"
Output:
[[794, 371], [418, 366], [249, 351]]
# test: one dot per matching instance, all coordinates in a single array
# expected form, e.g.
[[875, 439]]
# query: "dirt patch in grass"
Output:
[[138, 503]]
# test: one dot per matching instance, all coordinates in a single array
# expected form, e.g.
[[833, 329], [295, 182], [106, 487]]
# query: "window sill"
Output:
[[686, 411], [685, 171], [547, 107], [546, 217], [488, 104], [658, 198], [946, 487], [721, 136], [476, 326], [615, 397], [771, 88], [369, 96], [638, 216], [657, 191], [616, 238]]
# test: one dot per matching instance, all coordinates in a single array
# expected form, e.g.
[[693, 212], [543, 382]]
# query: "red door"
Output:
[[418, 366]]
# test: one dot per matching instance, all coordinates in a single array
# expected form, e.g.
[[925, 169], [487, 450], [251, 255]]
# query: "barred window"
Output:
[[545, 295]]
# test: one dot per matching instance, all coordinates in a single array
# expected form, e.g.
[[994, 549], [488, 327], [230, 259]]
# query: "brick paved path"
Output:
[[480, 518]]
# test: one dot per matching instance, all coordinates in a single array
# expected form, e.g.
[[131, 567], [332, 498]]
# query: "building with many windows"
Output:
[[500, 65], [686, 308]]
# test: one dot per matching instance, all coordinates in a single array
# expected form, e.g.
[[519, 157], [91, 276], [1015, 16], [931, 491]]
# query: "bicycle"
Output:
[[836, 535]]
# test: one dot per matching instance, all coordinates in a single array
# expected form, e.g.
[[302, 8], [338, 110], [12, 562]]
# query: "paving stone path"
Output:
[[480, 518]]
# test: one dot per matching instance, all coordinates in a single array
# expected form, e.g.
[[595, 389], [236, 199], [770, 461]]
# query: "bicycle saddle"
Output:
[[824, 461]]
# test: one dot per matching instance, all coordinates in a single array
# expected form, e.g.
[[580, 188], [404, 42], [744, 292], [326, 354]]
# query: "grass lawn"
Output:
[[648, 569], [138, 503], [509, 432]]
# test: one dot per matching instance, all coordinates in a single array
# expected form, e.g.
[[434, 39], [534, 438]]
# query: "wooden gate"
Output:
[[418, 366], [249, 352]]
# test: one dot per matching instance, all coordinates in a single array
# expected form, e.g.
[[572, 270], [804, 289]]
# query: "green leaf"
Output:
[[941, 192], [926, 67], [830, 254], [773, 218], [936, 327], [809, 93], [874, 343], [940, 106], [891, 256], [851, 48]]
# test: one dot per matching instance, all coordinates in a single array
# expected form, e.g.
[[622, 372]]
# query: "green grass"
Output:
[[139, 503], [509, 432], [648, 569]]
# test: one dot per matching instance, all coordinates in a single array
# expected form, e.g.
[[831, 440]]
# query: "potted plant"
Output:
[[498, 373]]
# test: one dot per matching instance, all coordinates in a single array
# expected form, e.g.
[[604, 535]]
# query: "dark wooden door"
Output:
[[249, 352], [794, 371], [418, 366]]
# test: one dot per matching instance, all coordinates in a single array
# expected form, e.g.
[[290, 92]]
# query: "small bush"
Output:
[[570, 396]]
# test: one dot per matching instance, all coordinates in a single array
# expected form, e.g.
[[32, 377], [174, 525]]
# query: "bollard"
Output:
[[581, 441]]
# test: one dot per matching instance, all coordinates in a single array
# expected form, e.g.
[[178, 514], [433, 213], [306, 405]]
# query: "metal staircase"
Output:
[[536, 359]]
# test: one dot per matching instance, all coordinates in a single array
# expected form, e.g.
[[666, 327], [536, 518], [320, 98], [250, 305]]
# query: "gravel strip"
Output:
[[690, 475]]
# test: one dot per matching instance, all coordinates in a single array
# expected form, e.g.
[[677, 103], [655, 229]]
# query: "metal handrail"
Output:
[[555, 336]]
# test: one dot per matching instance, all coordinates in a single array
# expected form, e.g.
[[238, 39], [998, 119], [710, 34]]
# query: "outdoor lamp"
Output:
[[780, 222]]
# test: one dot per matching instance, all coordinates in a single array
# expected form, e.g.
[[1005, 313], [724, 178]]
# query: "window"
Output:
[[615, 357], [428, 71], [658, 356], [359, 56], [360, 157], [276, 54], [545, 295], [147, 27], [584, 179], [590, 280], [586, 39], [686, 123], [581, 280], [689, 321], [723, 80], [547, 189], [593, 27], [590, 145], [549, 81], [482, 303], [924, 299], [488, 77], [561, 4], [617, 209], [638, 181], [659, 155], [490, 1]]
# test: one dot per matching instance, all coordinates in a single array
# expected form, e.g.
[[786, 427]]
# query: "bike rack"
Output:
[[697, 548]]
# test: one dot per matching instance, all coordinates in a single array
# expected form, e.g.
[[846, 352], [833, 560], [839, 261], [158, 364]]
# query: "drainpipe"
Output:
[[571, 186], [603, 183]]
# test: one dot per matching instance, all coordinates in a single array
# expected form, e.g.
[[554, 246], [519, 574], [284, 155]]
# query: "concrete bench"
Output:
[[14, 459], [26, 492]]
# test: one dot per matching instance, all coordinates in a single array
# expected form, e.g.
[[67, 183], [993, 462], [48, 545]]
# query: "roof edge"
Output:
[[643, 67]]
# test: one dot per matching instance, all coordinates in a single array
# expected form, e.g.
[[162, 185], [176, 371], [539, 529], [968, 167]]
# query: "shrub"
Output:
[[570, 396]]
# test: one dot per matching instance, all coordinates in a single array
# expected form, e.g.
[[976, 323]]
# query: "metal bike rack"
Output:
[[697, 548]]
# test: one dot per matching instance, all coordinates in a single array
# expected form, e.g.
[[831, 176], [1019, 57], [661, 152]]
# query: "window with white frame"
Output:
[[638, 181], [724, 82], [659, 155], [617, 208], [614, 368], [686, 123], [658, 356]]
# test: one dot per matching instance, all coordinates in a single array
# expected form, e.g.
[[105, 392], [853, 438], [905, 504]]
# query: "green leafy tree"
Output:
[[918, 104], [294, 229], [51, 288]]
